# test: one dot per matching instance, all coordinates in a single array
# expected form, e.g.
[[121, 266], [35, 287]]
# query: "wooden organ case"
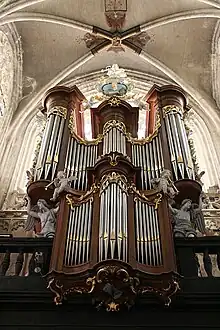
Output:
[[113, 236]]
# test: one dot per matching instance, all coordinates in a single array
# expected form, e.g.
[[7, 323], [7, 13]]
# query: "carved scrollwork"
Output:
[[72, 122], [75, 201], [58, 111], [56, 288], [114, 123], [114, 101], [163, 293], [113, 287], [154, 200], [114, 177], [83, 141], [171, 109], [114, 158], [61, 293], [150, 137]]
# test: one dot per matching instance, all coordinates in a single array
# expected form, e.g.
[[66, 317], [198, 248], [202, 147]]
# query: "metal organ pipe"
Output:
[[51, 143], [125, 225], [113, 218], [78, 234], [148, 242], [80, 156], [149, 158], [114, 139], [178, 143], [44, 147], [185, 146]]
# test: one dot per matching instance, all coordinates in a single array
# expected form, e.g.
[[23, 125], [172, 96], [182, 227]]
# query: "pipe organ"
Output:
[[147, 233], [51, 143], [76, 165], [149, 157], [114, 138], [113, 221], [113, 229]]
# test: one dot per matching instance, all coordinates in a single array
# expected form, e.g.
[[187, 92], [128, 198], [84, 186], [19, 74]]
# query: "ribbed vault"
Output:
[[77, 64]]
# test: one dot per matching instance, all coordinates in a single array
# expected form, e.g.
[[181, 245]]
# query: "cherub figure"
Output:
[[46, 215], [61, 183], [165, 184], [183, 226]]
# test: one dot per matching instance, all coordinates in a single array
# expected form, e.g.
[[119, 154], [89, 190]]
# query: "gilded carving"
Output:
[[114, 177], [58, 111], [83, 141], [114, 123], [114, 101], [114, 158], [75, 201], [113, 287], [163, 293], [72, 122], [61, 293], [171, 109], [150, 137], [155, 201]]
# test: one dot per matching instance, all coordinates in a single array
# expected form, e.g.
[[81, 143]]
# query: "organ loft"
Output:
[[113, 204]]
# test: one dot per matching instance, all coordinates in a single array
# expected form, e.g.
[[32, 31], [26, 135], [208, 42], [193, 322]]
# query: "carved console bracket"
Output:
[[113, 286]]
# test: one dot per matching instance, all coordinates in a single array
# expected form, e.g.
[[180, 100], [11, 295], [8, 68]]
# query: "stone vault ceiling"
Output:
[[70, 41], [173, 40]]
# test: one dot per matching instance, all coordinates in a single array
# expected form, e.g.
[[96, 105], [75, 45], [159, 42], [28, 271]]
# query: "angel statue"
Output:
[[187, 219], [165, 184], [46, 215], [61, 183]]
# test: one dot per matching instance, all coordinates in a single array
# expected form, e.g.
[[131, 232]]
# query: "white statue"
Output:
[[115, 72], [182, 220], [165, 184], [62, 184], [205, 201], [46, 216]]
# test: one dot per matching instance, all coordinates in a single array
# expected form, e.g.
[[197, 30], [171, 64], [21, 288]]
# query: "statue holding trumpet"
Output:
[[62, 184]]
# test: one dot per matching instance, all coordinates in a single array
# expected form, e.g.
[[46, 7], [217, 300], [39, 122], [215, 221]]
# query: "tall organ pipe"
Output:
[[113, 218], [149, 158], [148, 241], [114, 139], [78, 234], [178, 144], [51, 144]]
